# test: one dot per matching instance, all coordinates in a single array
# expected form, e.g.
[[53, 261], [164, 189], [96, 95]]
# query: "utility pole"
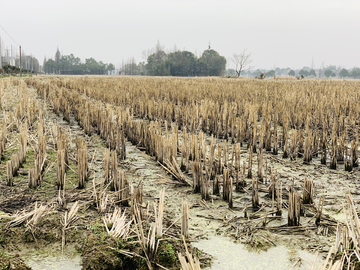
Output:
[[20, 61]]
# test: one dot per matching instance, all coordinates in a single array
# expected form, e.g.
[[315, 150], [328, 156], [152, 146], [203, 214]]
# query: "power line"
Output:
[[9, 35]]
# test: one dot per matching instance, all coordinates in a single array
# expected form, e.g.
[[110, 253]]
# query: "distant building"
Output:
[[8, 61], [114, 72]]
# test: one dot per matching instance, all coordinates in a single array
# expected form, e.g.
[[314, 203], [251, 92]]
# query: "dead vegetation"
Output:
[[193, 130]]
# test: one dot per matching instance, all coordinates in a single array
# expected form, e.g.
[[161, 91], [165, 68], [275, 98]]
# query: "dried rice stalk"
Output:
[[294, 209], [68, 219], [31, 217], [119, 227], [103, 201], [185, 219], [193, 262], [38, 213], [174, 169], [140, 233], [159, 217], [308, 191]]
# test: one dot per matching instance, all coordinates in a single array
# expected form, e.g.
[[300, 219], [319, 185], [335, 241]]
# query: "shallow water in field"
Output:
[[47, 259], [230, 255]]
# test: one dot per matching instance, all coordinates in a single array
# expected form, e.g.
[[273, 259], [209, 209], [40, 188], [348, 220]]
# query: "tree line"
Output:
[[328, 72], [176, 63], [14, 70], [185, 63], [69, 64]]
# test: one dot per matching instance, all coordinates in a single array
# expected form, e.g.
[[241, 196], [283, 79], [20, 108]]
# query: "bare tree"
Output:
[[57, 60], [241, 61], [147, 53], [158, 47]]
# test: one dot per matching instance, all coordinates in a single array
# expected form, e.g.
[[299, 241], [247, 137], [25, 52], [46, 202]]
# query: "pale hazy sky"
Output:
[[284, 33]]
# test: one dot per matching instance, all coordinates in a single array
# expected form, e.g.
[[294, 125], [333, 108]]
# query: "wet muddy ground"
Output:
[[52, 258], [232, 239], [230, 255]]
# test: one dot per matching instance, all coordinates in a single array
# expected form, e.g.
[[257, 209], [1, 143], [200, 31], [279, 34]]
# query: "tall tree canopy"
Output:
[[185, 63], [211, 63], [182, 63], [157, 64]]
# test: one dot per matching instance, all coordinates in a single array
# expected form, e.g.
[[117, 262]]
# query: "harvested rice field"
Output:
[[104, 172]]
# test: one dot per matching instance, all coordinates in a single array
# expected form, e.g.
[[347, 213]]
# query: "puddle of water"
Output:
[[229, 255], [49, 260]]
